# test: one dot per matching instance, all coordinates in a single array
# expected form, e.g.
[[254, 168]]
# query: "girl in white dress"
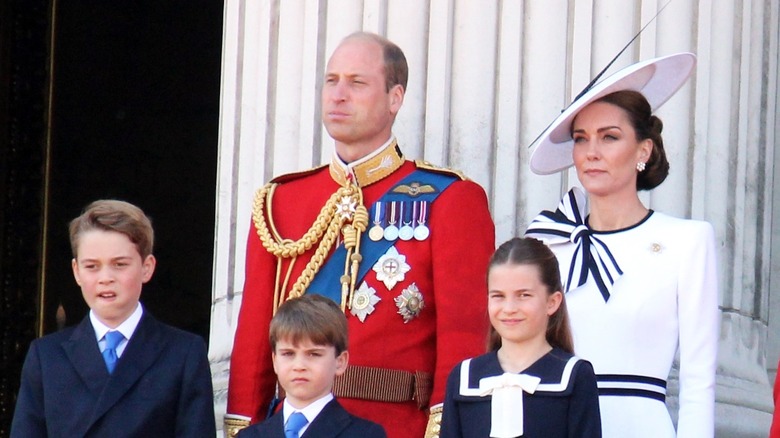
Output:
[[641, 286]]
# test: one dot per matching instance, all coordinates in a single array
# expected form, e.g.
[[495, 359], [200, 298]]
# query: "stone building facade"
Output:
[[486, 77]]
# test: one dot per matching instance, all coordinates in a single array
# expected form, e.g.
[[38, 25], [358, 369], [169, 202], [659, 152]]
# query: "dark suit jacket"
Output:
[[332, 422], [161, 386]]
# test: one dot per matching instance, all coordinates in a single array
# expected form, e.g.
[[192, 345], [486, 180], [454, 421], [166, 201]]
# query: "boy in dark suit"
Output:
[[120, 372], [309, 349]]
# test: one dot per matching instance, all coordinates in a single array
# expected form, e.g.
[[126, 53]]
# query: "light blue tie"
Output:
[[294, 424], [109, 354]]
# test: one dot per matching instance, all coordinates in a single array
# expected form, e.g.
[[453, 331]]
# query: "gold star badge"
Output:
[[410, 303]]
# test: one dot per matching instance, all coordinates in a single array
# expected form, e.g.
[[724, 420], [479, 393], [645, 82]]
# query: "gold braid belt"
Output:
[[343, 213]]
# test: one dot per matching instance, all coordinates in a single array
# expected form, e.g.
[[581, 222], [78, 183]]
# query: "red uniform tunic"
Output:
[[448, 268]]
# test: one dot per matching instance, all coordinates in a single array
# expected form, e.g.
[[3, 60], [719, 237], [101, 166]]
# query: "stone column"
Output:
[[487, 77]]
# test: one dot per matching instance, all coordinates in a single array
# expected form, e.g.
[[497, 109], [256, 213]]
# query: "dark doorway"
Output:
[[103, 99], [135, 117]]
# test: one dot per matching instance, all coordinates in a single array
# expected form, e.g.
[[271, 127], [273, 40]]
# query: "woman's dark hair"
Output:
[[646, 125], [532, 252]]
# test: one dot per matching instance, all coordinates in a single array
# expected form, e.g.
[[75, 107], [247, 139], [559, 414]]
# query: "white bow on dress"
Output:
[[506, 406]]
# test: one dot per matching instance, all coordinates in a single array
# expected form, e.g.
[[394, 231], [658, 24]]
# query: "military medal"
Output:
[[421, 231], [391, 231], [346, 207], [391, 268], [406, 232], [409, 303], [363, 302], [376, 233]]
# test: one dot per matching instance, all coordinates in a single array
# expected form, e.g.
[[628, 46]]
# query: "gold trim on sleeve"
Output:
[[231, 426], [433, 428]]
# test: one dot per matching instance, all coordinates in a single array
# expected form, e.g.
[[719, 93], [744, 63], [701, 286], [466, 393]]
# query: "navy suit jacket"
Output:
[[161, 386], [332, 422]]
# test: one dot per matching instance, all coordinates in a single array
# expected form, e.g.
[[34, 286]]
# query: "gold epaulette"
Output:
[[287, 177], [422, 164]]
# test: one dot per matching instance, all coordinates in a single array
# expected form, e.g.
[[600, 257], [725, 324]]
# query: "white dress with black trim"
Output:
[[554, 397], [658, 298]]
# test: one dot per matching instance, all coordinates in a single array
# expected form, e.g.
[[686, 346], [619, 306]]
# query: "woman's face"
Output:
[[606, 150]]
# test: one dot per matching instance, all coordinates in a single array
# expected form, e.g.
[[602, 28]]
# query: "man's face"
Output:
[[357, 109]]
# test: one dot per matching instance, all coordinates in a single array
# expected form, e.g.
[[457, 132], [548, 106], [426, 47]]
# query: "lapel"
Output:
[[274, 426], [83, 352], [142, 350], [330, 422]]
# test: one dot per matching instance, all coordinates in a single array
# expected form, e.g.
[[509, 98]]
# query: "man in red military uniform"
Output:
[[402, 246]]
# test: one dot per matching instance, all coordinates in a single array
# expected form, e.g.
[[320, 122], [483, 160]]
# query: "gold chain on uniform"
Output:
[[324, 230]]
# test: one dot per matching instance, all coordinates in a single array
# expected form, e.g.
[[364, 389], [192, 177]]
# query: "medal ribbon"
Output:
[[378, 213], [591, 255], [423, 217], [392, 218], [326, 282]]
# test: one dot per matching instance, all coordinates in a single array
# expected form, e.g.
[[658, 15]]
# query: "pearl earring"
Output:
[[640, 166]]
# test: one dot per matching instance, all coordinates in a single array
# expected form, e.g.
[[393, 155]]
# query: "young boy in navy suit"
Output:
[[309, 341], [120, 372]]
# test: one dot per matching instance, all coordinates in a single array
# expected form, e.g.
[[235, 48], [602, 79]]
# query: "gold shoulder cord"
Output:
[[343, 212]]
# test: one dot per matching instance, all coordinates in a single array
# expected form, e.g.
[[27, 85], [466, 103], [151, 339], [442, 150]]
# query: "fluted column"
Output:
[[486, 77]]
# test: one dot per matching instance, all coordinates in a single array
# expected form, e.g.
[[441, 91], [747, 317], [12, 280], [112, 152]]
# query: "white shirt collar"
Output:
[[127, 328], [310, 412]]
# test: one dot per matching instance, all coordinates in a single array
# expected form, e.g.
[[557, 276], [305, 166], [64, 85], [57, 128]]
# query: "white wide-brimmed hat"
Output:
[[657, 79]]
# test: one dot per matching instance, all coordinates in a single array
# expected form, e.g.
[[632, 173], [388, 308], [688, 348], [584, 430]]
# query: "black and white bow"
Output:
[[591, 255]]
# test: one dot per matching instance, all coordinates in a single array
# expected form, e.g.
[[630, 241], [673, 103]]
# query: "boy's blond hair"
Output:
[[117, 216], [310, 317]]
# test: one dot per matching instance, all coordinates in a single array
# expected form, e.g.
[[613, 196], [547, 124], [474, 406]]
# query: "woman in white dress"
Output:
[[641, 286]]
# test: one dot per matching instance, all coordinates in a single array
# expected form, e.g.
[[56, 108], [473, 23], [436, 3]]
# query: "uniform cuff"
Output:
[[434, 421], [233, 423]]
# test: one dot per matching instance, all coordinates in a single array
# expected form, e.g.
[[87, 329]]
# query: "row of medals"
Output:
[[405, 220]]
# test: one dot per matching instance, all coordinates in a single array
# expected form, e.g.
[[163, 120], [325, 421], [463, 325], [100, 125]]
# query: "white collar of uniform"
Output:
[[127, 328], [310, 412]]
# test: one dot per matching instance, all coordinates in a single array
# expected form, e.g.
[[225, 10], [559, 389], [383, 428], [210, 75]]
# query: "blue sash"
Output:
[[327, 281]]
